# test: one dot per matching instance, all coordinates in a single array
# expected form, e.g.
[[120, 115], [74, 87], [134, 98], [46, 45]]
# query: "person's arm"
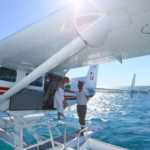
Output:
[[87, 96], [69, 91], [58, 85]]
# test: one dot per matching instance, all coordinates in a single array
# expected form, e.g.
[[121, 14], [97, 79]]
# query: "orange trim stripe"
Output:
[[1, 93], [4, 88], [69, 96], [73, 97], [70, 99]]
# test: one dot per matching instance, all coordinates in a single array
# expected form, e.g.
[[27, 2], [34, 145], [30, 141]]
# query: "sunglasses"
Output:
[[79, 85]]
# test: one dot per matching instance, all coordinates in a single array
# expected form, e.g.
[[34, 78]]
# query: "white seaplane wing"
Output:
[[75, 34], [128, 36]]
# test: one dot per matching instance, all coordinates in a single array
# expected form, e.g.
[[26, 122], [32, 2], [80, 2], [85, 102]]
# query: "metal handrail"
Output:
[[9, 122], [9, 143], [61, 145], [6, 121], [43, 142], [71, 124], [21, 136], [39, 143]]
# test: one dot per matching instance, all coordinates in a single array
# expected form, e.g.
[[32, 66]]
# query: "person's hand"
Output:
[[88, 99]]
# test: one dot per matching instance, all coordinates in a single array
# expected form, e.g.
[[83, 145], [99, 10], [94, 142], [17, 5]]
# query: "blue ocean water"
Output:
[[118, 112]]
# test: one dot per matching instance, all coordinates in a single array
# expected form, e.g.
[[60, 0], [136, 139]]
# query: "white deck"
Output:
[[98, 145]]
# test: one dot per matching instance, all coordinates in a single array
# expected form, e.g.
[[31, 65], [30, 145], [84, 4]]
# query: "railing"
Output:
[[62, 147], [38, 143], [85, 129], [56, 127], [9, 143], [6, 121]]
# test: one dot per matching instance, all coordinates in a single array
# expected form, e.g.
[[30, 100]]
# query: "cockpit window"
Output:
[[38, 82], [9, 75]]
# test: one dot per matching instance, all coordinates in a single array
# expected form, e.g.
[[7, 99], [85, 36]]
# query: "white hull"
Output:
[[98, 145]]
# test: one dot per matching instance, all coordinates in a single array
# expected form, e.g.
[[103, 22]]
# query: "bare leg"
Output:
[[62, 115], [59, 116], [65, 104], [82, 122]]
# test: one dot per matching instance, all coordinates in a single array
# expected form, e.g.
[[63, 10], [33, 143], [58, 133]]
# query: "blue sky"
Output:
[[17, 14]]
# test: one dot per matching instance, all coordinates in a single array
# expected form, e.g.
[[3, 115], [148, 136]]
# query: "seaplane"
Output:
[[34, 59]]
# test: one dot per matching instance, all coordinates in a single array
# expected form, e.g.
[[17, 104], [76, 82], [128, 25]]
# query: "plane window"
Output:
[[9, 75], [38, 82]]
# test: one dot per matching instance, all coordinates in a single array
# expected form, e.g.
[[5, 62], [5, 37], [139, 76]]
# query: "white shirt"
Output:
[[81, 97]]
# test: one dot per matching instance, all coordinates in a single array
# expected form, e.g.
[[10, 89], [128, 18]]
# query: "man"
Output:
[[82, 98]]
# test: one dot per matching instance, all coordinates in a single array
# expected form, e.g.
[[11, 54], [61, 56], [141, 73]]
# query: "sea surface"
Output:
[[127, 120]]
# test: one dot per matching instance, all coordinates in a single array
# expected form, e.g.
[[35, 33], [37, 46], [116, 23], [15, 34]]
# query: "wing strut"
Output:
[[114, 54]]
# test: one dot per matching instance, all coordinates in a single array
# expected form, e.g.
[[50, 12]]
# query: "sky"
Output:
[[17, 14], [116, 74]]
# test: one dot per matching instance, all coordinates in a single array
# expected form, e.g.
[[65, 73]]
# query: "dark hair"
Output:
[[80, 82]]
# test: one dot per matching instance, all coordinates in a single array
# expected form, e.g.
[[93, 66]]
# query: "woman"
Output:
[[59, 101]]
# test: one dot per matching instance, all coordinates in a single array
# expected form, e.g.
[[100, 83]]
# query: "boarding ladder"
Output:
[[57, 127]]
